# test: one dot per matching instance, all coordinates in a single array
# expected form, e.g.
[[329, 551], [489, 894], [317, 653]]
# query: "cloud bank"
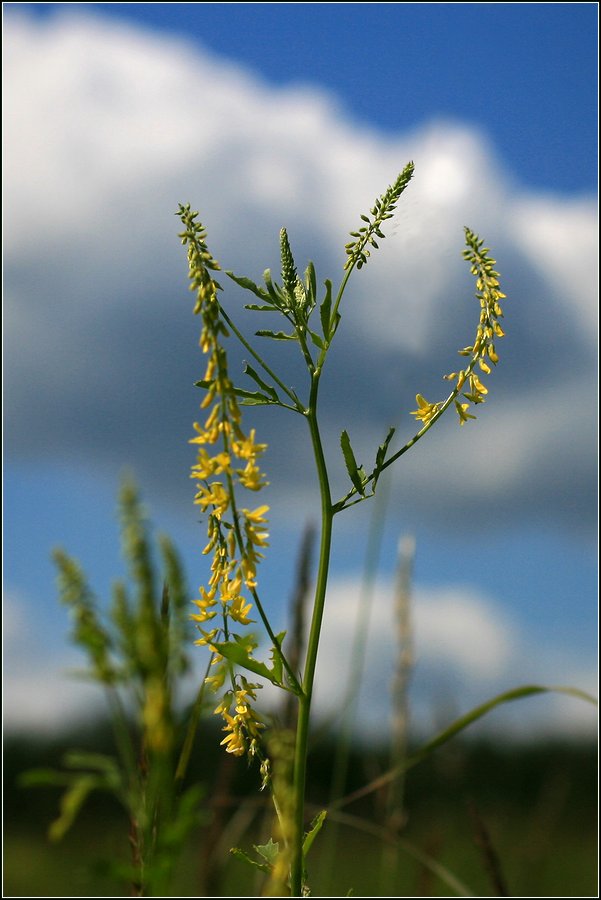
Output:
[[107, 128], [464, 649]]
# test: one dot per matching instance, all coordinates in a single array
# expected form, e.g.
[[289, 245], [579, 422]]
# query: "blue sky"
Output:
[[526, 72], [300, 114]]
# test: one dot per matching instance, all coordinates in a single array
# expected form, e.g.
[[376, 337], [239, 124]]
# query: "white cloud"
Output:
[[562, 241], [38, 694], [108, 127], [465, 649], [458, 628]]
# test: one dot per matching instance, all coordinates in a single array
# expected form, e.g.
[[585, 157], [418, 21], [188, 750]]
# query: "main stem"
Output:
[[304, 710]]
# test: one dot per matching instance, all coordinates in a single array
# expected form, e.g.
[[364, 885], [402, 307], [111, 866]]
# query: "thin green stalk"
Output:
[[184, 759], [261, 361], [455, 728], [332, 325], [344, 504], [304, 711], [357, 664]]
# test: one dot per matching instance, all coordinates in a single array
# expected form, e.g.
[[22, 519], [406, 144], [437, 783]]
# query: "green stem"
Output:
[[344, 504], [343, 283], [304, 712], [184, 759], [262, 363]]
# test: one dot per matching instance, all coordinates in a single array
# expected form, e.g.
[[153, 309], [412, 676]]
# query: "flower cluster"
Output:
[[226, 457], [482, 352], [243, 728], [357, 251]]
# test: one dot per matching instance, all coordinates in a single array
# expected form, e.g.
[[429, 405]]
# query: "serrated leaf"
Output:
[[268, 851], [244, 857], [311, 284], [253, 398], [277, 657], [249, 285], [274, 291], [277, 335], [325, 310], [381, 454], [257, 400], [335, 323], [316, 339], [351, 463], [237, 654], [313, 831], [248, 370], [261, 307]]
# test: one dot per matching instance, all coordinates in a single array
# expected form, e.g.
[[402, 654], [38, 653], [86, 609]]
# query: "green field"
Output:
[[516, 821]]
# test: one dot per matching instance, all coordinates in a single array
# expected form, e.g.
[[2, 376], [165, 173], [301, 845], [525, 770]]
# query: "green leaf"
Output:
[[238, 654], [351, 463], [484, 708], [381, 455], [457, 726], [45, 777], [249, 285], [82, 759], [313, 831], [106, 766], [257, 400], [248, 370], [274, 291], [311, 284], [261, 307], [325, 311], [70, 805], [316, 339], [253, 398], [277, 335], [240, 854], [268, 851], [276, 656]]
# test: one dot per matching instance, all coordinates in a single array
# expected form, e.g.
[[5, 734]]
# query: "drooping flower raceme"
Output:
[[482, 352], [227, 458]]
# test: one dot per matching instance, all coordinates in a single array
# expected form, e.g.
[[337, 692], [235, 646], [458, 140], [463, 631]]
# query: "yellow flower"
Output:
[[235, 743], [214, 496], [462, 412], [246, 448], [239, 609], [477, 385], [256, 515], [425, 411], [250, 477]]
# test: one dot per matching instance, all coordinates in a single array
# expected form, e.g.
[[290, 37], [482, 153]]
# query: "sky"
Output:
[[263, 115]]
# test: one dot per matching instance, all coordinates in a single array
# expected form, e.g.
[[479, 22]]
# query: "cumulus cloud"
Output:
[[464, 649], [38, 694], [108, 127]]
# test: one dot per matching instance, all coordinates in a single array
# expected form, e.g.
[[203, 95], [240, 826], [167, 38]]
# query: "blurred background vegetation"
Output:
[[505, 820]]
